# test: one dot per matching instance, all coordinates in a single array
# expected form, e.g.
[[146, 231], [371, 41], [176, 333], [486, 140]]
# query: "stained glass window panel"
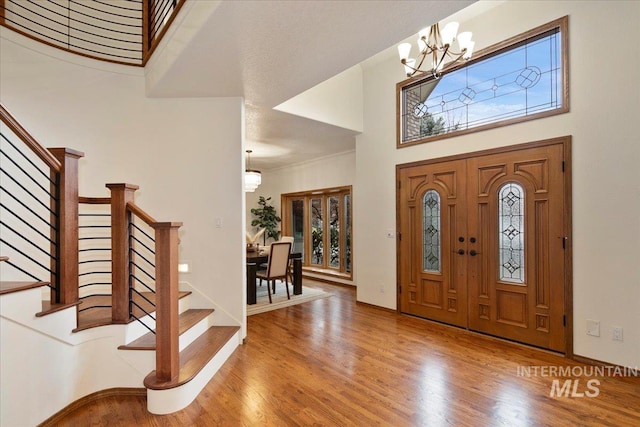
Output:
[[521, 81], [431, 250], [511, 232]]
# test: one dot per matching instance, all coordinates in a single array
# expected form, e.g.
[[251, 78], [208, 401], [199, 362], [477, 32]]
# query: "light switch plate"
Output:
[[593, 328]]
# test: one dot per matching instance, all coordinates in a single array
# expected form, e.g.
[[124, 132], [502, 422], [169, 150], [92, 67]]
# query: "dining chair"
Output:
[[277, 266], [289, 239], [285, 239]]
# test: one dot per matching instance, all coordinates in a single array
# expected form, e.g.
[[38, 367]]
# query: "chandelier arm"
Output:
[[441, 60], [424, 55], [455, 58], [452, 54], [415, 70]]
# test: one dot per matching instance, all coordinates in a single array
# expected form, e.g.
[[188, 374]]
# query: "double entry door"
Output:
[[482, 243]]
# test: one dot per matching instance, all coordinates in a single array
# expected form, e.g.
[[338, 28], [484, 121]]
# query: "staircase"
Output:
[[136, 331], [204, 347]]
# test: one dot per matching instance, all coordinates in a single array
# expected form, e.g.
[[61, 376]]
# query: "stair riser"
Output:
[[21, 304], [135, 330], [171, 400], [20, 307], [195, 331]]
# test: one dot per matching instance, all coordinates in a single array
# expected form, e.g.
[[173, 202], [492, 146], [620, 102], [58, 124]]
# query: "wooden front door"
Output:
[[497, 263], [433, 200]]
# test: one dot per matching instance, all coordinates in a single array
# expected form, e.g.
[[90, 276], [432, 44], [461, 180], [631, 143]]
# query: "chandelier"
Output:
[[252, 178], [436, 45]]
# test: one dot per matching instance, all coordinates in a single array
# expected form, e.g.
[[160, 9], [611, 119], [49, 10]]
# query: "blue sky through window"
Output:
[[523, 80]]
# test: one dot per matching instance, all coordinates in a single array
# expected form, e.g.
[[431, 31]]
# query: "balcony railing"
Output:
[[120, 31]]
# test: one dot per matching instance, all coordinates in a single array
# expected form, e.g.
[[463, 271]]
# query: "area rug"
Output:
[[280, 298]]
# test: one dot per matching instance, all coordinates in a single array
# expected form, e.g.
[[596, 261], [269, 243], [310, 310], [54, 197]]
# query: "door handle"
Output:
[[460, 251], [473, 252]]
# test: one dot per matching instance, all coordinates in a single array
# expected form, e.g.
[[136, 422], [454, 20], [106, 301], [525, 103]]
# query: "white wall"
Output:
[[185, 154], [337, 101], [603, 120], [331, 171]]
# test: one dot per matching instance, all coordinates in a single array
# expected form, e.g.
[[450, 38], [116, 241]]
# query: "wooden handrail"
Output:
[[62, 164], [141, 214], [42, 153], [94, 200]]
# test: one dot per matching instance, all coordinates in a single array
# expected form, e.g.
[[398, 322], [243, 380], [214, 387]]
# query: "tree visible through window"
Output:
[[320, 223], [522, 81]]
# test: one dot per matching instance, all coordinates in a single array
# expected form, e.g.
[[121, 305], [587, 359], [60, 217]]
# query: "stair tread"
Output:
[[195, 357], [48, 307], [186, 320], [100, 316], [9, 286]]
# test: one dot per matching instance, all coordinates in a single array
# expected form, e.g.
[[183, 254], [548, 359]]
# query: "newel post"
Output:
[[64, 249], [167, 350], [121, 194]]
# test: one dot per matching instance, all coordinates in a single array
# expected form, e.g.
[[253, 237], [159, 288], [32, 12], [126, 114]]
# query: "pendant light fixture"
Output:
[[252, 178]]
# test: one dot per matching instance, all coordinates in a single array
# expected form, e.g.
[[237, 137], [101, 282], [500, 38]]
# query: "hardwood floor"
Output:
[[333, 362]]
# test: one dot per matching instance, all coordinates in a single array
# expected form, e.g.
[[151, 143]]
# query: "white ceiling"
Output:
[[270, 51]]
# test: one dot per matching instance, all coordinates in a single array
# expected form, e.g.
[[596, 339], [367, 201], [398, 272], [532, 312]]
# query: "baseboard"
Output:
[[390, 310], [633, 372], [61, 414]]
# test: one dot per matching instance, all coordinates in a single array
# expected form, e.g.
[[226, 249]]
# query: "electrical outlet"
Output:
[[381, 289], [593, 328], [617, 333]]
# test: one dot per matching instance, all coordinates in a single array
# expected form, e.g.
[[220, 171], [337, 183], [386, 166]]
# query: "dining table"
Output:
[[256, 258]]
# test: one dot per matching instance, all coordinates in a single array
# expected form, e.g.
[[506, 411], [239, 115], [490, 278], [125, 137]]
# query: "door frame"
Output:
[[565, 141]]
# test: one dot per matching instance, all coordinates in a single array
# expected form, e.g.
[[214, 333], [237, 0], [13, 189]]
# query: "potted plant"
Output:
[[267, 218]]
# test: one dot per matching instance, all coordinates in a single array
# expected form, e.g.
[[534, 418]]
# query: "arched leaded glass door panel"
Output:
[[511, 233], [431, 232], [433, 270]]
